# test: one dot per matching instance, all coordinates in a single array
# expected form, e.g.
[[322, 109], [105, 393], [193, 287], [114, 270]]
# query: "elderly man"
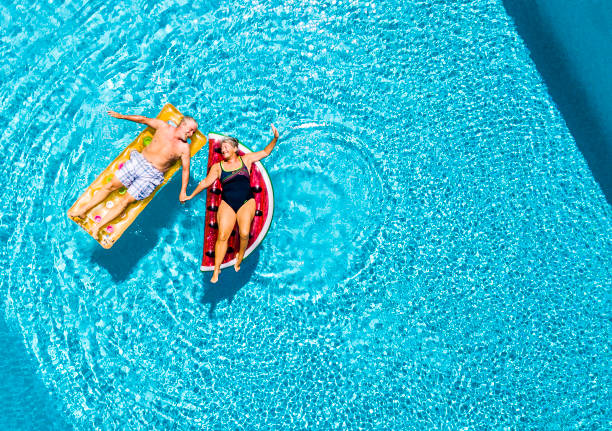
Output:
[[145, 171]]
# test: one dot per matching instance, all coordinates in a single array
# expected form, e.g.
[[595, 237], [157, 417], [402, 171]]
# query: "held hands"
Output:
[[184, 198]]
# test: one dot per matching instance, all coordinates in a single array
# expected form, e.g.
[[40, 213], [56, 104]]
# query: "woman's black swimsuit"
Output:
[[236, 186]]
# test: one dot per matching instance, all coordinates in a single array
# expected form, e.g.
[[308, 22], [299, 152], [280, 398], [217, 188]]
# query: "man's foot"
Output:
[[75, 213], [95, 230], [215, 276]]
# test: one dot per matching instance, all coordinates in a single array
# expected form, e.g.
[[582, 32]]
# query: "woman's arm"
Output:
[[212, 176], [258, 155]]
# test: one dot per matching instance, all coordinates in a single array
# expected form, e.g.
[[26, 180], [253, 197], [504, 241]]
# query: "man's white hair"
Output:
[[188, 118]]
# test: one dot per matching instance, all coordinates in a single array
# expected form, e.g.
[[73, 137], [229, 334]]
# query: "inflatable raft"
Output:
[[264, 204], [110, 233]]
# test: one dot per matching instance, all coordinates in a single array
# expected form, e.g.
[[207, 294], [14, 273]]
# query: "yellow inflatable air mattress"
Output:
[[110, 233]]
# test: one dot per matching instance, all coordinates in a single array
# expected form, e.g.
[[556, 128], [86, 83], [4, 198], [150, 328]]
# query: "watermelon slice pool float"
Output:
[[264, 208]]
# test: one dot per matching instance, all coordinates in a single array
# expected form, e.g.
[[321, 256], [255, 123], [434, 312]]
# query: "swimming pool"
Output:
[[439, 255], [570, 45]]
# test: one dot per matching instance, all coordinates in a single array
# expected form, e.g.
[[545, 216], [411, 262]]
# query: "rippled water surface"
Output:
[[440, 253]]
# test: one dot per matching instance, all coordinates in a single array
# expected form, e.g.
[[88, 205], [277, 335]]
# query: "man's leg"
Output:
[[113, 213], [97, 197], [245, 218], [226, 219]]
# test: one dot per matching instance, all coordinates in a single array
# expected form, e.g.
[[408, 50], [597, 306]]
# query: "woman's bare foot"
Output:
[[215, 275], [237, 264]]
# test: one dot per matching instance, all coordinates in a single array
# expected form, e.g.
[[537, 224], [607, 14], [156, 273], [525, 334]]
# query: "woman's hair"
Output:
[[230, 140]]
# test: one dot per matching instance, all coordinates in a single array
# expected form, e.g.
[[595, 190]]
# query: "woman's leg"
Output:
[[245, 218], [226, 219]]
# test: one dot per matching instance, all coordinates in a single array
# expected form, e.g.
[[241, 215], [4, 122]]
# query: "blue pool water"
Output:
[[570, 43], [25, 403], [439, 257]]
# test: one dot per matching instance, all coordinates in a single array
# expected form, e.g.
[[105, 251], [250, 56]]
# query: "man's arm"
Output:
[[152, 122], [185, 161]]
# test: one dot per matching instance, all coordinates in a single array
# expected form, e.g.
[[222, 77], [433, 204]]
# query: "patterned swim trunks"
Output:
[[139, 176]]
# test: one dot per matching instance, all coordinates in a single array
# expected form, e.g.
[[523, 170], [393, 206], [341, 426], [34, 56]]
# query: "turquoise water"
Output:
[[25, 403], [439, 257], [570, 45]]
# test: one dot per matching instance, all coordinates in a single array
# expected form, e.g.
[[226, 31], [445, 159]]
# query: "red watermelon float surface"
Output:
[[264, 208]]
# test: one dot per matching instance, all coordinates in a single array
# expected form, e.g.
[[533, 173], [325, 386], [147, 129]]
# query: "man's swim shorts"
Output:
[[139, 176]]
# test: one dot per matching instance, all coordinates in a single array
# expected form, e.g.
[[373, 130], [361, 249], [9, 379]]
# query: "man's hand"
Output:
[[183, 197], [115, 114]]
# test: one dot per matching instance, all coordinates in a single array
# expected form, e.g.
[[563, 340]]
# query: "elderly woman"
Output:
[[237, 202]]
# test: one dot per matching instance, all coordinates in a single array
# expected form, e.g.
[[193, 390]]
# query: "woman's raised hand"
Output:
[[274, 130]]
